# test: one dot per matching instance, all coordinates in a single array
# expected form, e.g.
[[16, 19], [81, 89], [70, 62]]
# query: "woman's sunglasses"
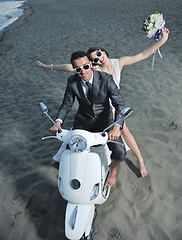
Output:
[[79, 69], [98, 54]]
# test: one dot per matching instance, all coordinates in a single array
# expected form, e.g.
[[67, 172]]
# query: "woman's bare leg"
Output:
[[130, 141]]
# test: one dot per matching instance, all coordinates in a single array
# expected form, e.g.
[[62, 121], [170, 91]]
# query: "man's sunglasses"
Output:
[[79, 69], [98, 54]]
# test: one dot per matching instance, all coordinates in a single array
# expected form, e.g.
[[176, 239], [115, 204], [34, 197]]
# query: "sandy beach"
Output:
[[138, 208]]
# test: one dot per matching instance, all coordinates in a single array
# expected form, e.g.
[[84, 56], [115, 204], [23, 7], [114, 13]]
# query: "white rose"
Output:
[[150, 26], [159, 21], [152, 18]]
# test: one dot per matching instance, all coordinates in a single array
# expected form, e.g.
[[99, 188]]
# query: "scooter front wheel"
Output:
[[87, 238], [78, 221], [90, 236]]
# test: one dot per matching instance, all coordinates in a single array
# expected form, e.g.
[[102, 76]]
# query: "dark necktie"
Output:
[[89, 92]]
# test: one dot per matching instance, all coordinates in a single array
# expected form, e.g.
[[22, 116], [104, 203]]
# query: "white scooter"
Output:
[[83, 172]]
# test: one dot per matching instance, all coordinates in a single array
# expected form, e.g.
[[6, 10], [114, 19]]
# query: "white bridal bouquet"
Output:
[[153, 24]]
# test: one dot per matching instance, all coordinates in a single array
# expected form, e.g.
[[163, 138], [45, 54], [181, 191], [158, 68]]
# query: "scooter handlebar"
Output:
[[59, 135]]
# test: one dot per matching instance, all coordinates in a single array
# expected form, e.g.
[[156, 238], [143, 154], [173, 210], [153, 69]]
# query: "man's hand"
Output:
[[114, 133], [54, 129]]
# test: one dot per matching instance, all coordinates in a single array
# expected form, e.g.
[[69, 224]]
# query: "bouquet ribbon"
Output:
[[158, 50]]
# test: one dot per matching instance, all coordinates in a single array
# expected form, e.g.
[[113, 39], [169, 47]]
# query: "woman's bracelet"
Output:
[[52, 67]]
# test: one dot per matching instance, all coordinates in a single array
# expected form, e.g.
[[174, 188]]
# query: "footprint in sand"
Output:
[[173, 125], [137, 189], [114, 233], [157, 112]]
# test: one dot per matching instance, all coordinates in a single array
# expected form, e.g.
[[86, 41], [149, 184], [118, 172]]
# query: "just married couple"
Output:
[[96, 113]]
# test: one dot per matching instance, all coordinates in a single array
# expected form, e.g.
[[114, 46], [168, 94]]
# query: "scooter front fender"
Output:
[[78, 220]]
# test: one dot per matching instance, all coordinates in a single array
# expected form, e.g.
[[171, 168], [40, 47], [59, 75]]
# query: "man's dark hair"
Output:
[[78, 54]]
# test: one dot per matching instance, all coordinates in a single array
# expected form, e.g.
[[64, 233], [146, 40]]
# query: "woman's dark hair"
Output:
[[78, 54], [93, 49]]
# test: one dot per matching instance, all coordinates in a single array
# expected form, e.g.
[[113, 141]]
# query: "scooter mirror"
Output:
[[43, 107], [126, 112], [123, 115]]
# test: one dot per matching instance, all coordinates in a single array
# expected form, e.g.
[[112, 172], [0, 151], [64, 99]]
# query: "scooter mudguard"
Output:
[[78, 220]]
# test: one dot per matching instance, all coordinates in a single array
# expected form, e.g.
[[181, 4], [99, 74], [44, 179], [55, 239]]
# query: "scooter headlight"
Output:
[[77, 143]]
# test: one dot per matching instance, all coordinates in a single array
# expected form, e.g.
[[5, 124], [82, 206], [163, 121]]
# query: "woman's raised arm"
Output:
[[127, 60], [60, 67]]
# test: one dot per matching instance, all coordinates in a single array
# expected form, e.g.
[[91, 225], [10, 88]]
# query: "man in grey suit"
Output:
[[94, 90]]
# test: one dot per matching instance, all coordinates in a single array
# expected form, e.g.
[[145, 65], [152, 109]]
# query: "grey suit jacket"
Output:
[[103, 89]]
